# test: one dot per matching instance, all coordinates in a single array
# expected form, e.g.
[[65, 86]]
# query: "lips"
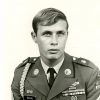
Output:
[[53, 50]]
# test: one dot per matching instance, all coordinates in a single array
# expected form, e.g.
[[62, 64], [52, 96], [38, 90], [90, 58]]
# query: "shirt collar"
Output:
[[57, 67]]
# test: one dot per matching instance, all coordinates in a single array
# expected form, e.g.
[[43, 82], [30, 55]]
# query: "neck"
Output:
[[52, 62]]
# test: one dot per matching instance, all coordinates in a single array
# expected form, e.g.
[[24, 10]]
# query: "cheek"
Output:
[[42, 45], [62, 42], [43, 41]]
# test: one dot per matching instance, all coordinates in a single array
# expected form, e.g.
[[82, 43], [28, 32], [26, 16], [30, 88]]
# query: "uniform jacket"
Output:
[[77, 79]]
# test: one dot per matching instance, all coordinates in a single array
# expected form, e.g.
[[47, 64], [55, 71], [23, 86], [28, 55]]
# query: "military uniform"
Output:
[[77, 79]]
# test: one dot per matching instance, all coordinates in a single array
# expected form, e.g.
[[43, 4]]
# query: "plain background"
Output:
[[15, 28]]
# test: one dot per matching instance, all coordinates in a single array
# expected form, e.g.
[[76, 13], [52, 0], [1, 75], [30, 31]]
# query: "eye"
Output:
[[60, 33], [47, 33]]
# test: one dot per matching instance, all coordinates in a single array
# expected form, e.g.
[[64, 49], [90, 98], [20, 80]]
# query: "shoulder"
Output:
[[31, 60], [84, 63], [88, 69], [19, 69]]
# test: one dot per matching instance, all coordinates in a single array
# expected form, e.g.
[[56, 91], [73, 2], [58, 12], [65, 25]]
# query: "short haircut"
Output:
[[46, 17]]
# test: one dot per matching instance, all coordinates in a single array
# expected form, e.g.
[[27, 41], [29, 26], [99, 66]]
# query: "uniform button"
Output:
[[83, 61], [74, 58], [34, 59]]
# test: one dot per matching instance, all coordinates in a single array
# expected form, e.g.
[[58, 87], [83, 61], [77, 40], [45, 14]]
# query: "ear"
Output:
[[34, 37]]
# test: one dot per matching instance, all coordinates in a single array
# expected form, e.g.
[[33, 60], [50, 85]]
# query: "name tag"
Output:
[[29, 98]]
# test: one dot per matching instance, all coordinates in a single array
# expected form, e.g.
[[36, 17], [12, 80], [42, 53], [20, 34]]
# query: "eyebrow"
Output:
[[45, 32], [60, 31]]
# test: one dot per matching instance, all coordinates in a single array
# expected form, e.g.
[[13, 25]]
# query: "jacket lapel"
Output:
[[39, 81], [64, 78]]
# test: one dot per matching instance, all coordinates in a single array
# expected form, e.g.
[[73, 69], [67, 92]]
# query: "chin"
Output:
[[53, 57]]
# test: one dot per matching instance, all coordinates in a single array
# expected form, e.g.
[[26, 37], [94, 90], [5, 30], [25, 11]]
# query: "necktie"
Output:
[[51, 79]]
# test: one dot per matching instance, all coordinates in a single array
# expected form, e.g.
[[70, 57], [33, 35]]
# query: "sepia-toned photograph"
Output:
[[50, 50]]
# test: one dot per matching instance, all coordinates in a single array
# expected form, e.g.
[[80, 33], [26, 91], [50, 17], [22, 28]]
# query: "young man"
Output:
[[55, 75]]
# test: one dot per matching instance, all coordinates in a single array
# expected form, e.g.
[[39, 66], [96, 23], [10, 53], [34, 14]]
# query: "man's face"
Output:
[[51, 40]]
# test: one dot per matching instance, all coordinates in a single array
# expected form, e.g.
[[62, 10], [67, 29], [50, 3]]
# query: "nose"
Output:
[[54, 40]]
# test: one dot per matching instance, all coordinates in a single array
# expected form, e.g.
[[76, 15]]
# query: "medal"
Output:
[[73, 97]]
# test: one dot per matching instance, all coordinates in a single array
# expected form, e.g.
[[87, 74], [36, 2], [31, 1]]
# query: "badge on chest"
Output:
[[74, 91]]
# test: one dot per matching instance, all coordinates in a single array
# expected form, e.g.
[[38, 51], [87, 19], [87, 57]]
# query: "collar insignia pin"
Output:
[[36, 72], [67, 72]]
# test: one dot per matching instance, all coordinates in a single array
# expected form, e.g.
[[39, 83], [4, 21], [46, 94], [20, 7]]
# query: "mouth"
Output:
[[53, 51]]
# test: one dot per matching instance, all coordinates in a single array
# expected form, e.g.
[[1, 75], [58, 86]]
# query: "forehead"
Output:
[[59, 25]]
